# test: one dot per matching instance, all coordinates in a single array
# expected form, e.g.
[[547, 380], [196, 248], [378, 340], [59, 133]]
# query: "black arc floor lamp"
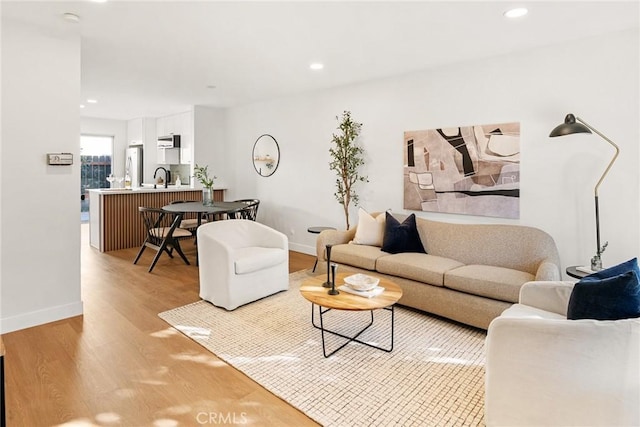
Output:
[[571, 125]]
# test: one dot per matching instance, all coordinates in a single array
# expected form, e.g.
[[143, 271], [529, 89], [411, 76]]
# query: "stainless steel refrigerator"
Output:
[[133, 165]]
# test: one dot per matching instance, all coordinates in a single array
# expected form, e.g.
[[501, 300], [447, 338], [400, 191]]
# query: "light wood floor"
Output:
[[120, 364]]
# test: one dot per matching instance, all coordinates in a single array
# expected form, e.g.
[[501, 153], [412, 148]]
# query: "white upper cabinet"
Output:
[[141, 131], [186, 135], [135, 131], [160, 126], [177, 124]]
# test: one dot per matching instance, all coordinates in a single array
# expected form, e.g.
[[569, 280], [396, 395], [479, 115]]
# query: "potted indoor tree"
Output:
[[346, 159], [202, 174]]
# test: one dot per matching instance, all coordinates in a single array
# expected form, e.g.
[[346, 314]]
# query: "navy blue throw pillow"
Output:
[[611, 298], [616, 270], [401, 237]]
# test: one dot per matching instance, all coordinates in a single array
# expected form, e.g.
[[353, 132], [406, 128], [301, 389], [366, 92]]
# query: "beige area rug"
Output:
[[433, 377]]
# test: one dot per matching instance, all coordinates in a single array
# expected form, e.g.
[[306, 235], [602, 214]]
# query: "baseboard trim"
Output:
[[305, 249], [40, 317]]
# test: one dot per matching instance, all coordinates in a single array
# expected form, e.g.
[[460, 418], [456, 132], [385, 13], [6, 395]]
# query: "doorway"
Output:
[[96, 152]]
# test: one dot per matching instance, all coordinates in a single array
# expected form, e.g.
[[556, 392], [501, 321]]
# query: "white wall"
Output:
[[115, 128], [211, 144], [40, 227], [596, 79]]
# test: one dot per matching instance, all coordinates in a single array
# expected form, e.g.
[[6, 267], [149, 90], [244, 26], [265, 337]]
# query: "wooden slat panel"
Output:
[[123, 227]]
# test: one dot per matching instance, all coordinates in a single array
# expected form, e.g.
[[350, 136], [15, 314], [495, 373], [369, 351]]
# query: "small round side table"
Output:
[[575, 273], [318, 230]]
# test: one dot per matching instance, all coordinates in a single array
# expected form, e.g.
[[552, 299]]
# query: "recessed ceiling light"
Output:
[[92, 101], [99, 1], [516, 12], [316, 66], [81, 105]]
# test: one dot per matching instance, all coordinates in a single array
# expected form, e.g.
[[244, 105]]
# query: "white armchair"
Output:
[[545, 370], [241, 261]]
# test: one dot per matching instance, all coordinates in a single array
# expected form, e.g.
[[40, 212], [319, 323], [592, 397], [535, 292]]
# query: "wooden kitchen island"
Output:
[[114, 219]]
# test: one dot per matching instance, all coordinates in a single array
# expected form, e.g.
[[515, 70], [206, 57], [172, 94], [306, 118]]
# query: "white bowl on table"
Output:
[[361, 282]]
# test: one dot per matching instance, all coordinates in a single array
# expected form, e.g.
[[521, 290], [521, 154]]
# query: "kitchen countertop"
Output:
[[146, 189]]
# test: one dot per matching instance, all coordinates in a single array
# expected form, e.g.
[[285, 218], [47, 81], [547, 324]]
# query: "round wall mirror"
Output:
[[266, 155]]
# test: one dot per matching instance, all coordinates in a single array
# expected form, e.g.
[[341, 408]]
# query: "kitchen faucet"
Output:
[[167, 177]]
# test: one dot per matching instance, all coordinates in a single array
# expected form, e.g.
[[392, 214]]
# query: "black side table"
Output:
[[318, 230], [575, 273]]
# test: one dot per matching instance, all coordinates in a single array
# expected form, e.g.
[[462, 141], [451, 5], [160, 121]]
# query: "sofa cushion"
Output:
[[401, 237], [370, 229], [504, 245], [611, 298], [487, 281], [361, 256], [251, 259], [419, 267]]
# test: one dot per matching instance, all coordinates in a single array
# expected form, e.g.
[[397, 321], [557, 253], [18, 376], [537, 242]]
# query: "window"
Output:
[[95, 160]]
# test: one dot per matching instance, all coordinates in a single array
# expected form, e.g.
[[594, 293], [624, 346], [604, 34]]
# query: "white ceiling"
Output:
[[149, 59]]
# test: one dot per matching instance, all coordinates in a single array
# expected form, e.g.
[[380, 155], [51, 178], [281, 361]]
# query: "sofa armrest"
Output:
[[562, 372], [550, 296], [332, 237], [548, 270]]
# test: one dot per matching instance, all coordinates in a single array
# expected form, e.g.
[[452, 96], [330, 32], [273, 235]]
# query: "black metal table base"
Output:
[[322, 311]]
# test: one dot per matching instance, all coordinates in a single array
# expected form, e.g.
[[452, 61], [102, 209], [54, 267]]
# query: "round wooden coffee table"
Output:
[[313, 291]]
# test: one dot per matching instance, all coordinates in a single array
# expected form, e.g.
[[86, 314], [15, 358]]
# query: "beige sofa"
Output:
[[471, 273]]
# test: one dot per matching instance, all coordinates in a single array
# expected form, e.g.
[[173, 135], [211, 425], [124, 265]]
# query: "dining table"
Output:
[[215, 208]]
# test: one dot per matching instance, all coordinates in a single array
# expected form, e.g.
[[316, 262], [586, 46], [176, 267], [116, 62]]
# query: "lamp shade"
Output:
[[569, 126]]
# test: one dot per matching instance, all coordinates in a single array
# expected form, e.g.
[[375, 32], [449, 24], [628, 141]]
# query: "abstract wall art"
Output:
[[472, 170]]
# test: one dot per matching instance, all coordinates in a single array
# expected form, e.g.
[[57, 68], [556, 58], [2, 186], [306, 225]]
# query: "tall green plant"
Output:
[[347, 157]]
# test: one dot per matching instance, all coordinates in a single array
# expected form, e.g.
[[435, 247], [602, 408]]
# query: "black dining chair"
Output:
[[163, 233], [191, 223], [248, 212]]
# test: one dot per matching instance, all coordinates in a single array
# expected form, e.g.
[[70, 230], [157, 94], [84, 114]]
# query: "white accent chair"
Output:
[[241, 261], [545, 370]]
